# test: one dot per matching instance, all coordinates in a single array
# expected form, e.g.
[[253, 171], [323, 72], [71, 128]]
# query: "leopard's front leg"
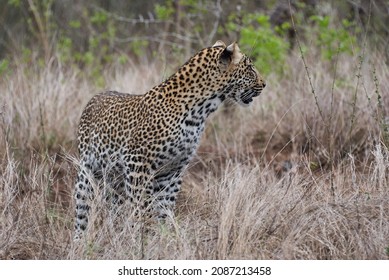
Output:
[[165, 190]]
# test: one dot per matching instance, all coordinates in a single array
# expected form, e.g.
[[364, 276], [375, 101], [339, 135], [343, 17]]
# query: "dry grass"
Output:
[[275, 181]]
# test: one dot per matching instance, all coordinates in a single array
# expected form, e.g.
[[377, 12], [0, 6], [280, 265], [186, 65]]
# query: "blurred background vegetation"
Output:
[[100, 32]]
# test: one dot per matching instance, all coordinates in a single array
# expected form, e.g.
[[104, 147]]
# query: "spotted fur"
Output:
[[145, 142]]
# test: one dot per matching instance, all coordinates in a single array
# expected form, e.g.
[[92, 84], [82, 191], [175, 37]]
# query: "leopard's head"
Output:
[[243, 81]]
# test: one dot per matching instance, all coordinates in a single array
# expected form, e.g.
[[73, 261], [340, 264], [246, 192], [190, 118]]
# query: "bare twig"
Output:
[[217, 13], [305, 65], [361, 58]]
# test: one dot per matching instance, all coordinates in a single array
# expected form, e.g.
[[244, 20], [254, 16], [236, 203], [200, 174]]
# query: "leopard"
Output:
[[146, 141]]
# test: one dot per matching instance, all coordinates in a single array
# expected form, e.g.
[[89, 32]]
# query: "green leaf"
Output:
[[99, 17], [15, 3], [163, 12], [4, 64], [75, 24]]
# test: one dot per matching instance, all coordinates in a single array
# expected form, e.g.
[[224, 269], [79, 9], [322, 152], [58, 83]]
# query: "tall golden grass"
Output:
[[287, 178]]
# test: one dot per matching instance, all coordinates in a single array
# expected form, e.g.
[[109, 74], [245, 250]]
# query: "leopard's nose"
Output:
[[263, 84]]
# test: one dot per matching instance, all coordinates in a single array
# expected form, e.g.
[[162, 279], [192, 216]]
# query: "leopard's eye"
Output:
[[252, 67]]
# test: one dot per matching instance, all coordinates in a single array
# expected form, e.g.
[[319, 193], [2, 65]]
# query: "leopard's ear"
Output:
[[231, 55], [236, 53], [219, 43]]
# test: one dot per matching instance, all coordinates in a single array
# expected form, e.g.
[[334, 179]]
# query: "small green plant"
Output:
[[164, 12], [138, 47]]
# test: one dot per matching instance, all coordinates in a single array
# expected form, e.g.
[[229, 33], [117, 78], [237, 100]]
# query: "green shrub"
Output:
[[332, 40], [265, 45]]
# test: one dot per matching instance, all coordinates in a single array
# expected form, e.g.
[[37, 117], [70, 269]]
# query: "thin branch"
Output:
[[305, 65], [146, 38], [355, 96], [217, 13], [140, 20]]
